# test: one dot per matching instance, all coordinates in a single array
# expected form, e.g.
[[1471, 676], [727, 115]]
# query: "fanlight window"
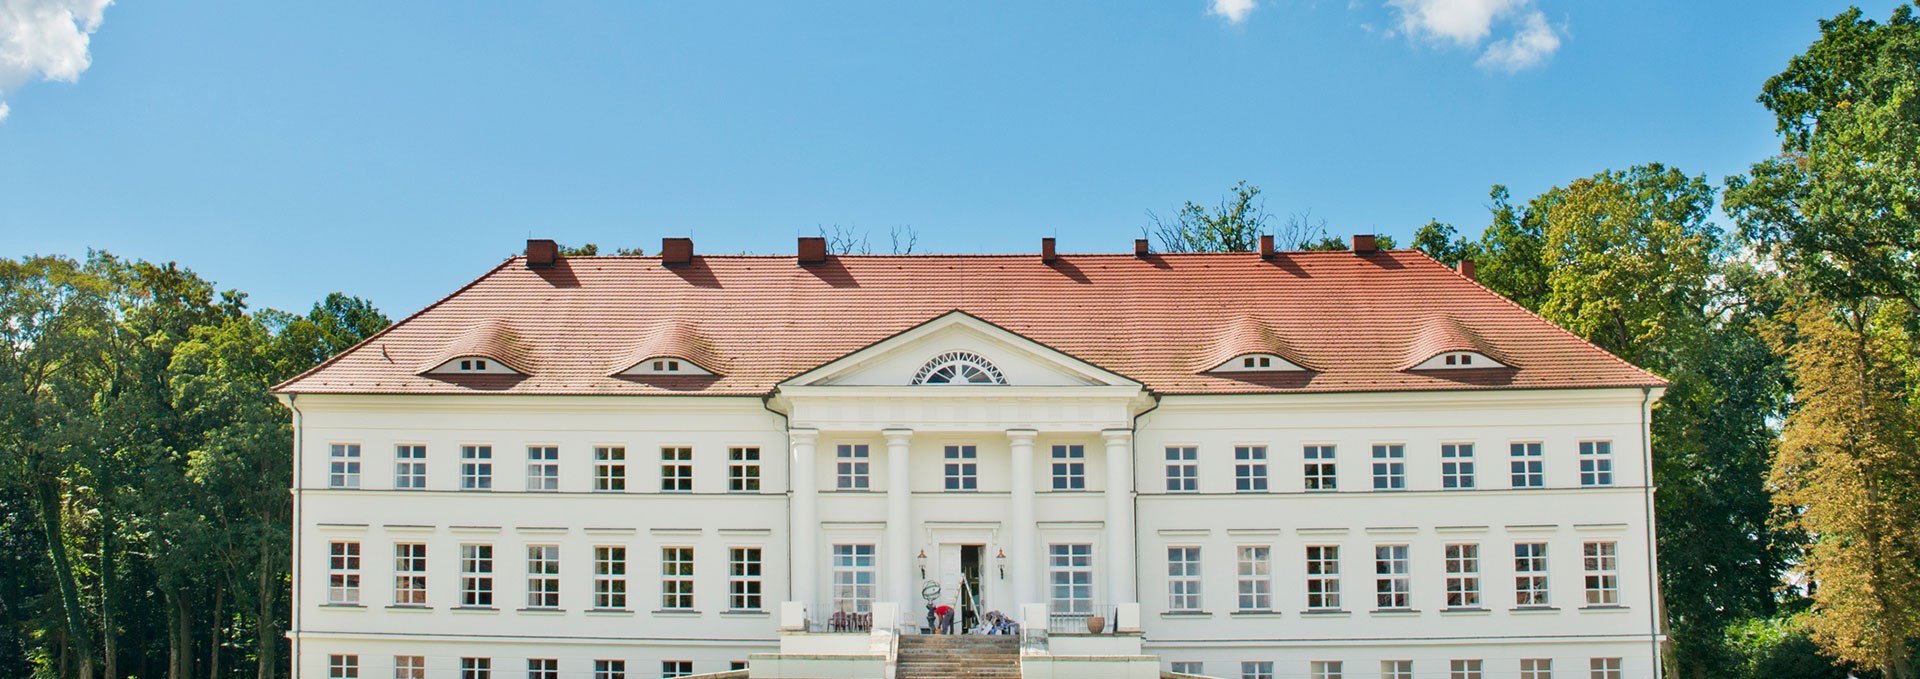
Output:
[[959, 367]]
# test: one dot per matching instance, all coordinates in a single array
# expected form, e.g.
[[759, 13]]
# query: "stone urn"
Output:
[[1096, 624]]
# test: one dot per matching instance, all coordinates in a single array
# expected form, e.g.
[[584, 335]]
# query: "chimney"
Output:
[[542, 253], [1363, 244], [1266, 246], [676, 252], [1466, 269], [813, 251], [1047, 255], [1140, 248]]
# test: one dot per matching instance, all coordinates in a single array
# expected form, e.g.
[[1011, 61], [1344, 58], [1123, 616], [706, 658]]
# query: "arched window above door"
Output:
[[959, 367]]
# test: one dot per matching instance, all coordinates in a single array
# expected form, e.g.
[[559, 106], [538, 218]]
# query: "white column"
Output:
[[1120, 546], [1023, 552], [901, 570], [803, 528]]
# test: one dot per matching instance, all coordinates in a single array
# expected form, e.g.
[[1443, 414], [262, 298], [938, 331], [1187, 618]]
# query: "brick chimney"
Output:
[[1266, 246], [813, 251], [1047, 255], [1466, 269], [1140, 247], [542, 253], [676, 252], [1363, 244]]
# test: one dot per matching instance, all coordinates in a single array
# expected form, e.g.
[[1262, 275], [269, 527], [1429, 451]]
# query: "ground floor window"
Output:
[[1536, 668], [1605, 668], [1190, 667], [676, 668], [1396, 669], [1070, 571], [609, 669], [543, 668], [476, 668], [1325, 669], [1464, 669], [409, 667], [343, 667], [853, 578], [1257, 669]]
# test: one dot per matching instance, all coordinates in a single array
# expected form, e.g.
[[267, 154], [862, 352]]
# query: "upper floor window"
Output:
[[1456, 465], [1070, 467], [1250, 469], [1319, 468], [1183, 579], [543, 468], [1530, 574], [1602, 563], [610, 469], [1463, 575], [410, 467], [1256, 578], [1323, 577], [343, 573], [1393, 584], [959, 367], [851, 471], [676, 469], [1527, 461], [343, 466], [743, 469], [1390, 467], [1596, 463], [963, 468], [476, 467], [1183, 469]]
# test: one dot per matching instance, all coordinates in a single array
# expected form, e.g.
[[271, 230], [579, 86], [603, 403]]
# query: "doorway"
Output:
[[961, 565]]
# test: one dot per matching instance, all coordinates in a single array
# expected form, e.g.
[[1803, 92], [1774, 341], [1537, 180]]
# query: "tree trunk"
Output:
[[107, 647], [51, 517], [266, 628], [213, 637]]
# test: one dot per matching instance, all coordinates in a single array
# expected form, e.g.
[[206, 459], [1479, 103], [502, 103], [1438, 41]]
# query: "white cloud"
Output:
[[4, 110], [1469, 23], [45, 39], [1235, 11]]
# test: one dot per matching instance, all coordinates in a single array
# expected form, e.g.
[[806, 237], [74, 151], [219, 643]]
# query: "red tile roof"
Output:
[[1357, 321]]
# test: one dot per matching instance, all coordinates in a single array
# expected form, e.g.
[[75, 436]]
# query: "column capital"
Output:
[[1117, 435], [803, 436], [1022, 435], [897, 434]]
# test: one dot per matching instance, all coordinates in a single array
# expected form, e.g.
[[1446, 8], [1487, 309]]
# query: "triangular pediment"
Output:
[[958, 349]]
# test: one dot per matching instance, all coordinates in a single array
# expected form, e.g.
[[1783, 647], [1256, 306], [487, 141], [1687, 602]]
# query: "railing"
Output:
[[830, 618], [1082, 619]]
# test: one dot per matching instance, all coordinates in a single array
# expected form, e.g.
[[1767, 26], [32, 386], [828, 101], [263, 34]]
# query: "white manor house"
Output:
[[1325, 465]]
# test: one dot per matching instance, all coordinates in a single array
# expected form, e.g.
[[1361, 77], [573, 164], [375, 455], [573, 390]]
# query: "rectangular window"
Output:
[[476, 668], [853, 578], [1602, 563], [743, 579], [1536, 668], [1183, 579], [676, 470], [343, 667], [476, 575], [543, 468], [410, 467], [1527, 461], [1604, 668], [543, 668], [1464, 669], [676, 578], [343, 573], [1183, 469], [610, 469], [1463, 576], [1530, 574], [675, 668], [1190, 667], [410, 574], [743, 470], [1596, 463], [1256, 578], [1396, 669], [1323, 578], [1393, 586], [1070, 467], [543, 576], [610, 577], [1250, 469], [1256, 669], [609, 669], [343, 466], [1326, 669], [1456, 465], [409, 667], [963, 468], [1390, 467], [1070, 577], [851, 470], [476, 467], [1320, 467]]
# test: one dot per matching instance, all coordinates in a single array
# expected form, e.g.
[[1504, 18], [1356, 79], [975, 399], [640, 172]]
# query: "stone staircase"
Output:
[[959, 656]]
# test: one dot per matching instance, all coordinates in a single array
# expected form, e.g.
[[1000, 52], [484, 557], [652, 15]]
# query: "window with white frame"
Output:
[[409, 667], [1392, 580], [610, 469], [1183, 579], [1463, 576], [476, 668], [476, 467], [410, 574], [1390, 467], [1323, 578], [543, 468], [1256, 669], [1326, 669], [1456, 465], [476, 576], [675, 668], [1604, 668], [1319, 472], [1183, 469], [1465, 668], [1596, 463], [676, 469], [1070, 575], [1602, 564], [676, 578], [1250, 469], [410, 467], [852, 467], [343, 666], [1070, 467], [1536, 668], [1396, 669], [743, 579], [343, 465], [610, 577], [543, 668], [743, 469], [1530, 574], [1527, 465], [1193, 667], [543, 576], [853, 578], [1256, 578], [962, 468], [343, 573], [609, 669]]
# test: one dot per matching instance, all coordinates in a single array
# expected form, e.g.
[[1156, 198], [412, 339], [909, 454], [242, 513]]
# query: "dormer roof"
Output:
[[1245, 335], [489, 338], [1440, 334], [674, 340]]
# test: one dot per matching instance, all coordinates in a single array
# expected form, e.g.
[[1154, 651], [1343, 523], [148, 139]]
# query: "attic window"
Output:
[[1459, 360], [1255, 363], [666, 366], [959, 367], [473, 365]]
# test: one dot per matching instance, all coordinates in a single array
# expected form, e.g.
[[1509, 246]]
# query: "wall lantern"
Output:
[[921, 561], [1001, 561]]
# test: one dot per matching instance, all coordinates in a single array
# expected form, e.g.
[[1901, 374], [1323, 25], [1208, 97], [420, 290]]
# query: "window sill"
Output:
[[1464, 611], [542, 611], [475, 609], [745, 613], [609, 612], [1534, 610], [676, 613], [1329, 613], [410, 608], [344, 606], [1394, 613], [1604, 608], [1255, 614], [1186, 614]]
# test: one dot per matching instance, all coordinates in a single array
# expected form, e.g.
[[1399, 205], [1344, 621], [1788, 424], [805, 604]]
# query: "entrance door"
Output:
[[960, 568]]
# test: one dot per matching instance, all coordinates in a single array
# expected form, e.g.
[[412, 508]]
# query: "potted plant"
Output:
[[1096, 624]]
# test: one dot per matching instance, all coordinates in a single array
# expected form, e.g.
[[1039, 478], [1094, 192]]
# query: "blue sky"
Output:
[[395, 150]]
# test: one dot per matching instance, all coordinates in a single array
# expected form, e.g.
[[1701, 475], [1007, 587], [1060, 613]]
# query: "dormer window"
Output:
[[474, 365], [663, 365], [959, 367], [1256, 363], [666, 366], [1459, 360]]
